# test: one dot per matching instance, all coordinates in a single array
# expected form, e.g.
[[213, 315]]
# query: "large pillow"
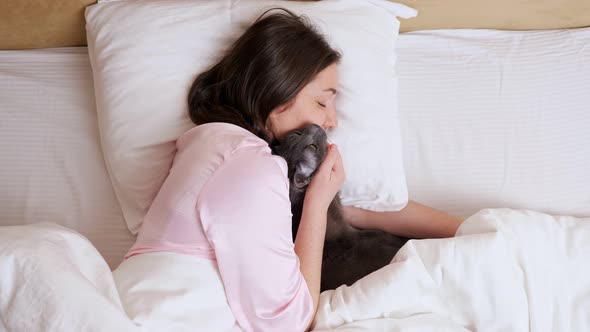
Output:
[[145, 55]]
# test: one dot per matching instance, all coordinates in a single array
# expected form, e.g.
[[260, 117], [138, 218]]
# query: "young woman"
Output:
[[227, 197]]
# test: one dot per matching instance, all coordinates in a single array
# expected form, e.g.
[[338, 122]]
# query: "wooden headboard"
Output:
[[56, 23]]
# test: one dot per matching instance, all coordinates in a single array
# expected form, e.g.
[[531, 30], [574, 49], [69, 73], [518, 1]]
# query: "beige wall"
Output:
[[56, 23]]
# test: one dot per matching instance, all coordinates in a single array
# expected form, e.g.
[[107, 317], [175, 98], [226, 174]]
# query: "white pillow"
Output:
[[145, 55]]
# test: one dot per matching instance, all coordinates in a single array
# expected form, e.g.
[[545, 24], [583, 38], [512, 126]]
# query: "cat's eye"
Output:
[[313, 147], [298, 133]]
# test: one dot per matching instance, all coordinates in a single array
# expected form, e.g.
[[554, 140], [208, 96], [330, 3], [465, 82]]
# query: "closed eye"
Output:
[[322, 105]]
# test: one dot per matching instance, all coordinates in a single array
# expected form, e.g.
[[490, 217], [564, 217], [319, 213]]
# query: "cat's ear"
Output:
[[301, 180]]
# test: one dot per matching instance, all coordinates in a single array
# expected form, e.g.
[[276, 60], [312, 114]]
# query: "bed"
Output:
[[510, 159], [52, 164]]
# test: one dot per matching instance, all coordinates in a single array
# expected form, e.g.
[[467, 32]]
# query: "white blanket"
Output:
[[53, 279], [507, 270]]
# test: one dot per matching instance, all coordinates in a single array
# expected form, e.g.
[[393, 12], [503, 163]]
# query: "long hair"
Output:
[[264, 69]]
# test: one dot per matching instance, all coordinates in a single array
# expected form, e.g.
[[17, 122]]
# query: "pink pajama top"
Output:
[[226, 198]]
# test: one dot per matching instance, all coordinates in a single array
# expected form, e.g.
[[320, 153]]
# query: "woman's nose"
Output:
[[331, 120]]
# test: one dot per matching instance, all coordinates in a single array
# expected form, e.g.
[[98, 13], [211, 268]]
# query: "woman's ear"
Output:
[[275, 118], [274, 115], [279, 110]]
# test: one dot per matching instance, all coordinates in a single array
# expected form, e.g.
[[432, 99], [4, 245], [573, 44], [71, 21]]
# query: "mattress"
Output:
[[51, 163]]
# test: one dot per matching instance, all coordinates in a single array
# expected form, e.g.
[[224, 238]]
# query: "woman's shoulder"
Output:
[[210, 145], [218, 134]]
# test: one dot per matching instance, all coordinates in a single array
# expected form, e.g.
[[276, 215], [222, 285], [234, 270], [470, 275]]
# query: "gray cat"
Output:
[[349, 253]]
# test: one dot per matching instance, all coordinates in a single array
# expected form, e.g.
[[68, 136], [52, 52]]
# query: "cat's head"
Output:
[[304, 149]]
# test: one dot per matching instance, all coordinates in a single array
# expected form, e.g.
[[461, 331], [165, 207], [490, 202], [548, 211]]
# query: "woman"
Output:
[[227, 196]]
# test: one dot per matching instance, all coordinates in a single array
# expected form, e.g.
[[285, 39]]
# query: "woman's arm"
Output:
[[414, 221], [245, 211], [309, 247], [309, 243]]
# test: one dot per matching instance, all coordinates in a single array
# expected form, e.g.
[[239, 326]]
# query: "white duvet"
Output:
[[506, 270]]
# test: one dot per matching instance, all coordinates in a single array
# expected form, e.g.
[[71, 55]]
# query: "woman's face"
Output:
[[314, 104]]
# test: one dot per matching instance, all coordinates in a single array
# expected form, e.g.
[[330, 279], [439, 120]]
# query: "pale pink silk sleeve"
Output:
[[245, 211]]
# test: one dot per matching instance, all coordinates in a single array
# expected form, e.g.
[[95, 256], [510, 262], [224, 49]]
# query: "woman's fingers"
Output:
[[338, 167], [329, 161], [332, 167], [327, 180]]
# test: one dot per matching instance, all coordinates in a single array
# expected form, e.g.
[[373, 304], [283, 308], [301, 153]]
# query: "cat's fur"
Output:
[[349, 253]]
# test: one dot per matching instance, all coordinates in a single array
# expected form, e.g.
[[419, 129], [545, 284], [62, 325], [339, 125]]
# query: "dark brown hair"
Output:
[[264, 69]]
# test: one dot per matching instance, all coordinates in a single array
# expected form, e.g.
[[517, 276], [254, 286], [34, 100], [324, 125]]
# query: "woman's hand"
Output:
[[326, 182]]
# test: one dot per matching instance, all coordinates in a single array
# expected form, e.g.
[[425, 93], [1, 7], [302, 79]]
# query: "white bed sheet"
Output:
[[496, 119], [51, 163]]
